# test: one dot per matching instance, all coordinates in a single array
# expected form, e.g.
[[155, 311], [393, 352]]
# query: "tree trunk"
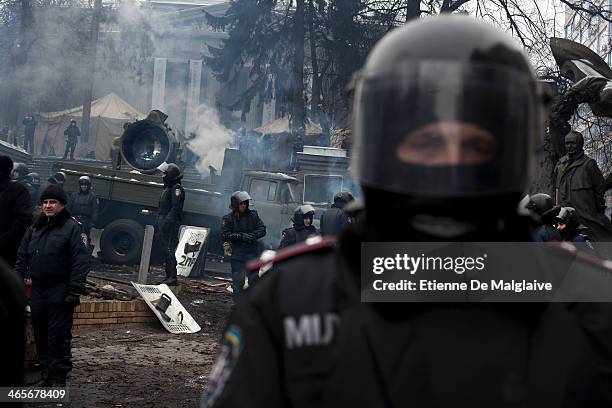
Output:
[[20, 58], [91, 68], [297, 94], [413, 9], [316, 79]]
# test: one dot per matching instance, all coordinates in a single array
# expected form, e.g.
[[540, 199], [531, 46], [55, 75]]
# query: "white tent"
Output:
[[108, 114]]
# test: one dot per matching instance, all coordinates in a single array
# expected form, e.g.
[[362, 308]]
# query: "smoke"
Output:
[[210, 139]]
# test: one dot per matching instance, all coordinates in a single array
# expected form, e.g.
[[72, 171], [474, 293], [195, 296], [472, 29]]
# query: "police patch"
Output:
[[226, 361], [177, 192], [84, 238]]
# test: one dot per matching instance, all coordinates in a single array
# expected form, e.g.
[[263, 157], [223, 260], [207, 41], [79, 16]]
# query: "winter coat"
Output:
[[54, 254], [242, 231], [295, 234], [72, 133], [333, 221], [582, 186], [84, 207], [302, 337], [15, 218], [170, 209]]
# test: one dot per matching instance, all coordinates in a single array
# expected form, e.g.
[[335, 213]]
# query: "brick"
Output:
[[84, 315], [77, 309], [112, 320]]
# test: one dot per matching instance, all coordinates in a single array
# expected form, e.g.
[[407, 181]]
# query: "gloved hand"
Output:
[[248, 238], [73, 299]]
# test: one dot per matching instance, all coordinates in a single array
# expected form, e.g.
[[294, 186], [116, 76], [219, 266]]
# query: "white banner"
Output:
[[193, 94], [159, 84], [191, 241]]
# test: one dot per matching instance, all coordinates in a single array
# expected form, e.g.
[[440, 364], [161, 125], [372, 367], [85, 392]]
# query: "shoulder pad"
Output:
[[314, 244], [569, 249]]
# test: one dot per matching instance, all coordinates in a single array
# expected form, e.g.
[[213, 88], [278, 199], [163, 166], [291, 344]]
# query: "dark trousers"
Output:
[[170, 241], [53, 332], [28, 143], [70, 146], [239, 271]]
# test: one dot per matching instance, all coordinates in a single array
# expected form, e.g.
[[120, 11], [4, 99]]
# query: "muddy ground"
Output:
[[143, 365]]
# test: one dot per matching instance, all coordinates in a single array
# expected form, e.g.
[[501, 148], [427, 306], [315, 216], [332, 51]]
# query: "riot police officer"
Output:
[[34, 180], [335, 218], [20, 172], [444, 137], [569, 226], [302, 227], [169, 218], [72, 134], [543, 211], [83, 205], [242, 228]]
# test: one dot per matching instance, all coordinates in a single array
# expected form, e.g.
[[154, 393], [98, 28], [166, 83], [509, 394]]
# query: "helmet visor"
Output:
[[440, 128]]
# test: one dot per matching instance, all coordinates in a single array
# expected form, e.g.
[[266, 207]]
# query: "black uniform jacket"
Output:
[[303, 338], [84, 207], [295, 234], [333, 221], [54, 254], [243, 231], [15, 217], [170, 208]]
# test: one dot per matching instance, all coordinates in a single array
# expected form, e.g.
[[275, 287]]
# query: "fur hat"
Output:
[[54, 192]]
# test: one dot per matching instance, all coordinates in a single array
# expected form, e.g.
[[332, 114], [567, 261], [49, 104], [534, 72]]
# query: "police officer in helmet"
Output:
[[241, 229], [169, 218], [83, 205], [445, 136], [543, 211], [302, 227], [335, 218]]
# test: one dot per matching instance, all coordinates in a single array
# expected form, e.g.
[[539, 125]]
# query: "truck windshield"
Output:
[[320, 189]]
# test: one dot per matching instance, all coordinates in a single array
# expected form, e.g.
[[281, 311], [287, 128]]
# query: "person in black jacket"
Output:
[[543, 211], [169, 218], [72, 134], [29, 128], [15, 212], [83, 205], [53, 254], [302, 227], [241, 229], [12, 319], [443, 143], [335, 218]]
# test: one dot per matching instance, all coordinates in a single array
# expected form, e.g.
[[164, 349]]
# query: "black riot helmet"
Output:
[[540, 203], [34, 179], [172, 174], [569, 217], [342, 198], [456, 120], [239, 197], [20, 171], [302, 212], [59, 177]]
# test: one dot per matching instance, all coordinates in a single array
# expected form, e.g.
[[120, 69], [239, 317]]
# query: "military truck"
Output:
[[130, 188]]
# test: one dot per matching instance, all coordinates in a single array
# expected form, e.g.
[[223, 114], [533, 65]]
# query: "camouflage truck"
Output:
[[129, 189]]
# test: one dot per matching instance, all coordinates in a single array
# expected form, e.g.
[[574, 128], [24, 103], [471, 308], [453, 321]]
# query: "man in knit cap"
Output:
[[54, 255]]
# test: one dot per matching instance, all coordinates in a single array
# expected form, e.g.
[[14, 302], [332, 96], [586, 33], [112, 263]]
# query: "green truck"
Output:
[[130, 188]]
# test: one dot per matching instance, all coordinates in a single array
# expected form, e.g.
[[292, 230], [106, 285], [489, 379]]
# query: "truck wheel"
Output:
[[121, 242]]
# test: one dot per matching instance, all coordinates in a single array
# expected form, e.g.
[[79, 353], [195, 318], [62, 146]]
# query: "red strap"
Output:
[[310, 245]]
